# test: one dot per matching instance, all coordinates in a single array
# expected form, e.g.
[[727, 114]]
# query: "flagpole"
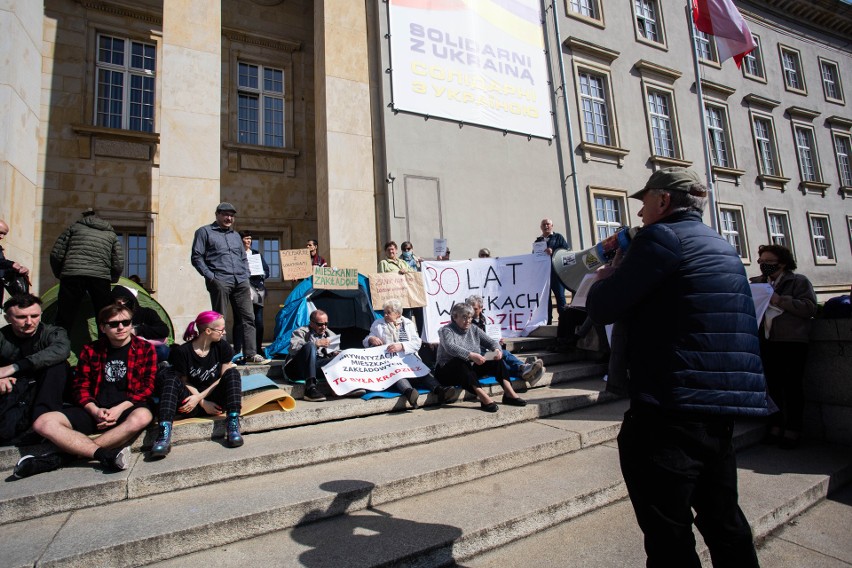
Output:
[[708, 164]]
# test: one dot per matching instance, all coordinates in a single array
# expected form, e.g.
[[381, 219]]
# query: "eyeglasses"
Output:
[[321, 324], [118, 323], [220, 330], [466, 318]]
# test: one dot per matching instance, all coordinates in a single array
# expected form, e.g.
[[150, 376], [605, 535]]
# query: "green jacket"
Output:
[[51, 346], [89, 247]]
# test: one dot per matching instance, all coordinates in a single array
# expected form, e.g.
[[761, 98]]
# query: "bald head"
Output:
[[546, 227], [4, 229]]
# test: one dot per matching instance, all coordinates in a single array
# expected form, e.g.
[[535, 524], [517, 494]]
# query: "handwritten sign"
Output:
[[407, 288], [295, 264], [373, 369], [327, 278]]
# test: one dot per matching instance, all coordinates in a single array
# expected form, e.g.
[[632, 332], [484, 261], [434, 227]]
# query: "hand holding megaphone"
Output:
[[571, 267]]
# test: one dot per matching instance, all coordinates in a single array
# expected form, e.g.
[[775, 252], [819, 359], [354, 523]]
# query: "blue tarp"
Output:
[[347, 309]]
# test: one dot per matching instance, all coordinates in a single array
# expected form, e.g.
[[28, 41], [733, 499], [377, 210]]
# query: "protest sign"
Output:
[[295, 264], [407, 288], [439, 247], [255, 265], [514, 291], [373, 369], [327, 278], [540, 248]]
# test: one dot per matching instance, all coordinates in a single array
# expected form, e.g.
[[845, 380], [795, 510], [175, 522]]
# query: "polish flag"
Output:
[[721, 19]]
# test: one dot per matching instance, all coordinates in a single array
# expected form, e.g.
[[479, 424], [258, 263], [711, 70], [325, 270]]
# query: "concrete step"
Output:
[[458, 523], [307, 413], [161, 526], [774, 487], [195, 464]]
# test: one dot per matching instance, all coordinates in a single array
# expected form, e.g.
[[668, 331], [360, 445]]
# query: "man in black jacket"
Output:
[[147, 323], [33, 367], [682, 299]]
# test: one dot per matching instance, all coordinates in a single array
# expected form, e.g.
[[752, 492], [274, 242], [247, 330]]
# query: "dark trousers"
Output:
[[307, 364], [458, 372], [72, 289], [672, 466], [258, 327], [784, 367], [239, 295], [428, 383], [52, 382], [558, 290], [227, 394]]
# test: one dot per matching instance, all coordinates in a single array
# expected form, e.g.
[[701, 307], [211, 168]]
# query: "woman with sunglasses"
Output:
[[200, 381]]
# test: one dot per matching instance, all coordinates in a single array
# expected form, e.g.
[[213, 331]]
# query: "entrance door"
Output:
[[423, 212]]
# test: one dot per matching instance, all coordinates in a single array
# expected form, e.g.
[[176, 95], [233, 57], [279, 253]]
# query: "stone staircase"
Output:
[[365, 483]]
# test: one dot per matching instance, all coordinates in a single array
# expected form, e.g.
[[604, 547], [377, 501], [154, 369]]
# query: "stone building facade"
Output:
[[153, 111]]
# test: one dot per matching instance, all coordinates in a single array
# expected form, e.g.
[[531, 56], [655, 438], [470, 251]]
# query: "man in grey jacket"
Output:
[[311, 347], [85, 258], [33, 367], [219, 256]]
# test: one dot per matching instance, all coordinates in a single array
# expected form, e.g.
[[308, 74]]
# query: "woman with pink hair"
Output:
[[200, 381]]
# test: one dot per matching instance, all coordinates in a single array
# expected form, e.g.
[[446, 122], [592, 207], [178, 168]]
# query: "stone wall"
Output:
[[828, 382]]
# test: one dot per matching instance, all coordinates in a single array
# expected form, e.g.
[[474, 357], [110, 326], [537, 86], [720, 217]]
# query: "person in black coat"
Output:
[[147, 323]]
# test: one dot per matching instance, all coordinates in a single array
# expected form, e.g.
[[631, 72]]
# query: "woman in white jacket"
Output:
[[400, 335]]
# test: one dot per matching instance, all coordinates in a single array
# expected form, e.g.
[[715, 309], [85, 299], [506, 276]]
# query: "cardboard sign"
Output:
[[407, 288], [295, 264], [373, 369], [327, 278]]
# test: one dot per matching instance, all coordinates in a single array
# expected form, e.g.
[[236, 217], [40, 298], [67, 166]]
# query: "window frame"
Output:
[[259, 239], [809, 181], [674, 128], [844, 175], [262, 95], [774, 179], [710, 41], [823, 62], [660, 31], [127, 72], [619, 196], [827, 237], [741, 231], [799, 69], [726, 135], [757, 56], [126, 227], [788, 235], [606, 101], [597, 17]]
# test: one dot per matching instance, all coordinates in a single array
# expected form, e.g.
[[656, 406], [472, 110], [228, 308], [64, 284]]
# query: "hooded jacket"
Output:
[[90, 248], [682, 295], [147, 323]]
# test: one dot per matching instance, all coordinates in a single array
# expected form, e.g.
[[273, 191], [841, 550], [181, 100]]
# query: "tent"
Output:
[[350, 314], [84, 329]]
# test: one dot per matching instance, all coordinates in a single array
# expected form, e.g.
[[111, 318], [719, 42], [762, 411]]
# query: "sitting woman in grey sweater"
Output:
[[460, 363]]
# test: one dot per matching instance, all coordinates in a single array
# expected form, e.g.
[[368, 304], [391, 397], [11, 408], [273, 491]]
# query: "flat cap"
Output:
[[673, 179], [225, 206]]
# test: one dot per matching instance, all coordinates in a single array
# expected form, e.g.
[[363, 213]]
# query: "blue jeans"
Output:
[[513, 364]]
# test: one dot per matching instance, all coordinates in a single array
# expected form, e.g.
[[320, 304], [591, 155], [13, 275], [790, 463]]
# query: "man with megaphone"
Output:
[[683, 302]]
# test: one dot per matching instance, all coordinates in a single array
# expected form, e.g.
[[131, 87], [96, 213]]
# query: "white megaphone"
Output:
[[572, 266]]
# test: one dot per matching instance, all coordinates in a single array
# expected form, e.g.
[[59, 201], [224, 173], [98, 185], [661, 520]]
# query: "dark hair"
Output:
[[244, 234], [389, 243], [405, 244], [21, 301], [784, 255], [112, 310], [316, 242]]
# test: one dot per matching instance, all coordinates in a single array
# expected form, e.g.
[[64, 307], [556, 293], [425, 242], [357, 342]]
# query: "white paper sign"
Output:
[[439, 246], [514, 289], [539, 248], [493, 331], [761, 294], [373, 369], [255, 265]]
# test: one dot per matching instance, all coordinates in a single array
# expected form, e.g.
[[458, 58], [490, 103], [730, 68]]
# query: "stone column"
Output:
[[346, 211], [21, 196], [186, 191]]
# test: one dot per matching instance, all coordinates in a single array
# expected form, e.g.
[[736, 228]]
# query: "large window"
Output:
[[135, 245], [595, 107], [590, 9], [753, 62], [821, 238], [765, 146], [791, 64], [842, 152], [831, 86], [126, 71], [806, 152], [705, 46], [778, 228], [732, 228], [269, 246], [260, 114], [662, 127], [649, 24], [719, 135], [609, 215]]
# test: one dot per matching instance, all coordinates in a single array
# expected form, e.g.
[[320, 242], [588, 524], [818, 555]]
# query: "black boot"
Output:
[[312, 393]]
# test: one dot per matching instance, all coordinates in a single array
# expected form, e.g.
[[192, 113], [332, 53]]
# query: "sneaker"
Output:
[[411, 395], [233, 438], [530, 360], [357, 393], [533, 369], [163, 445], [536, 377], [312, 394], [257, 359], [116, 459], [33, 465], [447, 395]]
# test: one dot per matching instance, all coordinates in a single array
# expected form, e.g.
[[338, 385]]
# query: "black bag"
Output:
[[16, 283], [16, 410]]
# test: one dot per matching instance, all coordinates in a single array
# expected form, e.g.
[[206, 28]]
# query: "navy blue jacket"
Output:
[[691, 333]]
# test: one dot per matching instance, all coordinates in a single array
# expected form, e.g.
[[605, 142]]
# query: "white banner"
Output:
[[514, 289], [474, 61], [373, 369]]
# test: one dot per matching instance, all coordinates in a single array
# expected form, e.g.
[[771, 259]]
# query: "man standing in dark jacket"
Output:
[[555, 242], [693, 358], [85, 258]]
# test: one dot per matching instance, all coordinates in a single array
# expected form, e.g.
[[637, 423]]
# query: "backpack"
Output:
[[16, 410]]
